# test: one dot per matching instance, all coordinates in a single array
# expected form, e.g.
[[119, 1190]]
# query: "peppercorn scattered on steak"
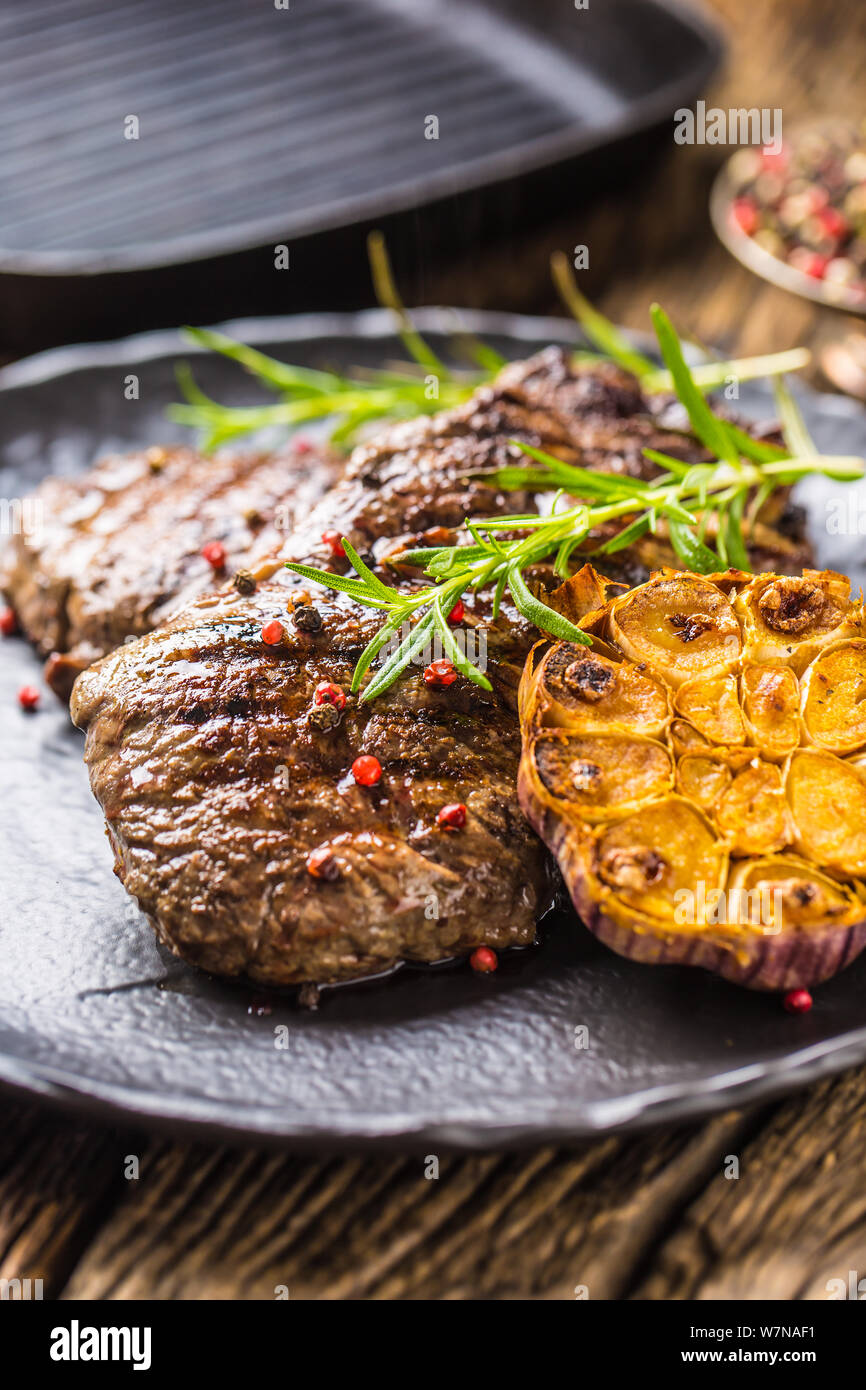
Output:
[[700, 772], [223, 758], [116, 548]]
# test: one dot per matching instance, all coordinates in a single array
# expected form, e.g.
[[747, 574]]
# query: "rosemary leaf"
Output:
[[561, 565], [710, 375], [762, 493], [667, 461], [597, 328], [285, 378], [732, 530], [547, 619], [693, 553], [452, 649], [399, 660], [756, 449], [356, 588], [627, 536], [708, 427], [482, 354], [365, 573], [579, 481], [499, 592], [386, 293], [372, 650], [794, 429]]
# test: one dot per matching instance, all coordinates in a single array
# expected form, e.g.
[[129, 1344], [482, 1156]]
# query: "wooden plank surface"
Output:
[[655, 1216]]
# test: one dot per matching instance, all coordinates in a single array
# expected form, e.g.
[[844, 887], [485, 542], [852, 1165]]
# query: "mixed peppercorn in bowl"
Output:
[[797, 215]]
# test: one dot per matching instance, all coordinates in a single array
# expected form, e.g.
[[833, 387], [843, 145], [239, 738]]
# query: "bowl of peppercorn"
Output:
[[797, 215]]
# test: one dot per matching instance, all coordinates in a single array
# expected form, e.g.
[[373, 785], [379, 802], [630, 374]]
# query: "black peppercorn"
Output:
[[244, 582], [324, 717], [307, 618]]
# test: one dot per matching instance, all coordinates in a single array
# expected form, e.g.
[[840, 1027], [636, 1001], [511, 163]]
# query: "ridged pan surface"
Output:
[[94, 1015], [153, 132]]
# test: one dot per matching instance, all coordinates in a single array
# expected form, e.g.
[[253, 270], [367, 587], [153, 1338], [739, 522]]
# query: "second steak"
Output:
[[114, 549]]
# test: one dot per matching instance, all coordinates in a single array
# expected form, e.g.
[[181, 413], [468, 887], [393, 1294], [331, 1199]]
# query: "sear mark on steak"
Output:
[[120, 545], [243, 834]]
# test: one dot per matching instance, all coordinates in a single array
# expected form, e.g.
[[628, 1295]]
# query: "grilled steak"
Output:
[[116, 548], [228, 794]]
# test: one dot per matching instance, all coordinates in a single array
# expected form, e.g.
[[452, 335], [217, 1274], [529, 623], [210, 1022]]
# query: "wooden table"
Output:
[[647, 1217]]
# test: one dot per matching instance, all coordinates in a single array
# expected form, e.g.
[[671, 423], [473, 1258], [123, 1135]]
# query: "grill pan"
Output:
[[259, 125]]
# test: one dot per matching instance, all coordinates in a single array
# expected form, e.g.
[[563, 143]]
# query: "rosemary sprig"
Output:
[[423, 385], [685, 496], [490, 563], [350, 403]]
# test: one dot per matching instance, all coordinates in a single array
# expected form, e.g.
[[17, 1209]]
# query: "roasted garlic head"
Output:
[[699, 772]]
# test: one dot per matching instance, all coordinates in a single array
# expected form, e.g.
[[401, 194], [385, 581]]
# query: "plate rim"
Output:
[[38, 368], [675, 1103]]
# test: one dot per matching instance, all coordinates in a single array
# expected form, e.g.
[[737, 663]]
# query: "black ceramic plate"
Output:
[[94, 1015]]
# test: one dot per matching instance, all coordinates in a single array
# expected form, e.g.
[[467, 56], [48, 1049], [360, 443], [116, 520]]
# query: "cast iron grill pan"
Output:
[[257, 124]]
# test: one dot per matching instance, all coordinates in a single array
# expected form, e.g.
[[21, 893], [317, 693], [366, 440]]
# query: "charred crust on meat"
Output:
[[197, 714], [238, 707], [152, 511]]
